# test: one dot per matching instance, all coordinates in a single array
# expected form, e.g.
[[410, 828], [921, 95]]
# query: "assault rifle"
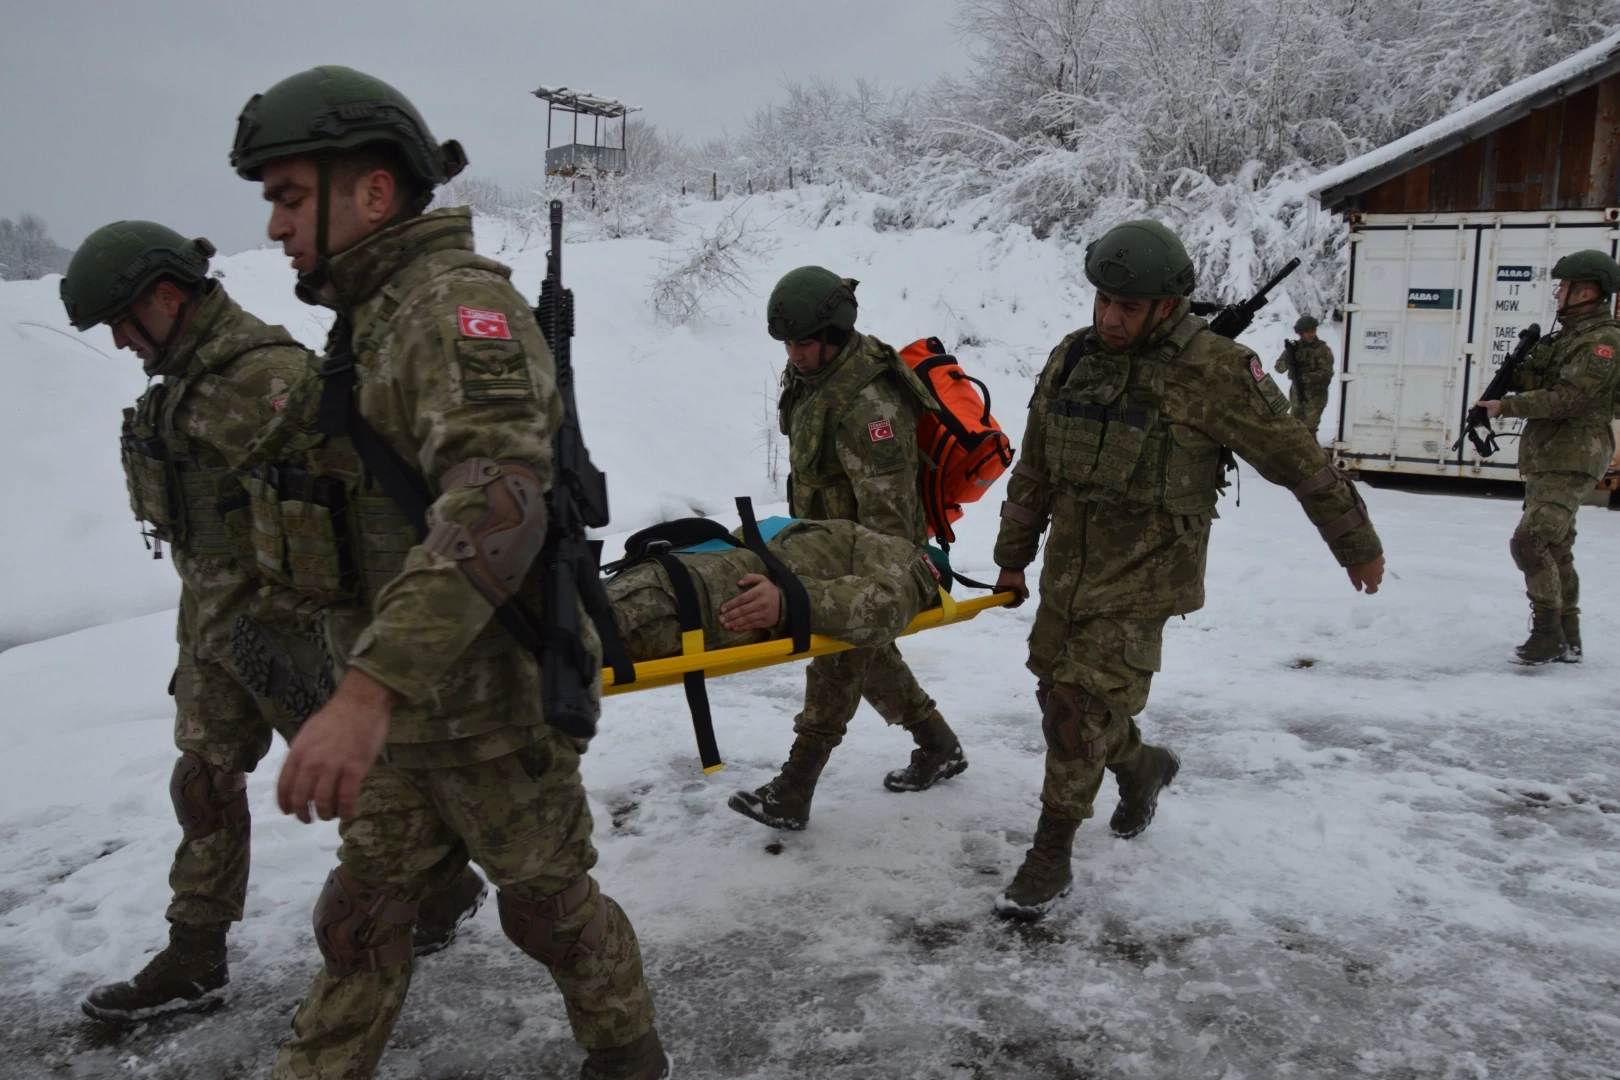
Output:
[[1291, 361], [1232, 319], [1474, 416], [578, 500]]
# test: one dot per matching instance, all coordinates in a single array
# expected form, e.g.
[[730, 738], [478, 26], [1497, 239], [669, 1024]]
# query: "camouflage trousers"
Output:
[[217, 719], [835, 684], [522, 818], [1307, 408], [1115, 659], [1543, 544]]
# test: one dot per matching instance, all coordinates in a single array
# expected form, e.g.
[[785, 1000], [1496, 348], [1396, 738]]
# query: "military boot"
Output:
[[442, 914], [643, 1059], [1571, 622], [178, 979], [1140, 781], [1546, 641], [938, 756], [1045, 875], [784, 803]]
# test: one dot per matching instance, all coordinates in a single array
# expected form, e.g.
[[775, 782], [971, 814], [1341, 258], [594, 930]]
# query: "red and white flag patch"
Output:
[[1255, 369], [1605, 351], [478, 323], [880, 430], [277, 404]]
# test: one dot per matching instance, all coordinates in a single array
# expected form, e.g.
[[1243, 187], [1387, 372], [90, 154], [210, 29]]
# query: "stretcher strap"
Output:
[[689, 614], [793, 591]]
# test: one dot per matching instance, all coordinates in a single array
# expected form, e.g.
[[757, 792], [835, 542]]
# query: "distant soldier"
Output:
[[1308, 363], [220, 375], [849, 408], [439, 395], [1124, 457], [1565, 389]]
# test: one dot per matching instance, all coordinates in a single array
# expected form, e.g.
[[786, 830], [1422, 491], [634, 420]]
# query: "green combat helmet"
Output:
[[1304, 323], [337, 108], [1589, 265], [119, 262], [1140, 260], [809, 300]]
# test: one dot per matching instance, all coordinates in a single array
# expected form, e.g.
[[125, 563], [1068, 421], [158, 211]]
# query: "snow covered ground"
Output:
[[1390, 853]]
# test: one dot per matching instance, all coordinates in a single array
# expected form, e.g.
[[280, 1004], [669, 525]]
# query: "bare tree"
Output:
[[27, 251], [718, 261]]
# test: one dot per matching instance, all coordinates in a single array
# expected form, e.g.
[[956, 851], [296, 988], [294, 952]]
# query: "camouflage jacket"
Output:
[[1315, 362], [852, 439], [1125, 460], [864, 588], [1566, 390], [221, 380], [451, 365]]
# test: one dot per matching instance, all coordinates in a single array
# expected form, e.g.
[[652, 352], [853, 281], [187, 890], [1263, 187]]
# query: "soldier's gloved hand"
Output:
[[335, 749], [759, 607], [1014, 580], [1368, 576]]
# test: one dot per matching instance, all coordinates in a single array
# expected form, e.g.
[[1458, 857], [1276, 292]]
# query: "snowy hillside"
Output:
[[1390, 853]]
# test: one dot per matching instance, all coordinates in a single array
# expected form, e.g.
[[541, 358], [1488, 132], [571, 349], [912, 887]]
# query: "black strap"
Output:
[[1136, 418], [798, 600], [689, 614], [340, 417]]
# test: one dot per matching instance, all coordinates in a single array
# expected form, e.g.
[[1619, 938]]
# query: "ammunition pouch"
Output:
[[532, 924], [349, 908], [206, 799], [496, 552], [1074, 721], [314, 533]]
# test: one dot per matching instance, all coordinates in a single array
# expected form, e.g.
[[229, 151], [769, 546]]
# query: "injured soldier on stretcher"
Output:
[[864, 588]]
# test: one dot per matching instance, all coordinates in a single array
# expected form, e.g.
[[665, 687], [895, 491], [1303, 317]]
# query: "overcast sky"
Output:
[[119, 109]]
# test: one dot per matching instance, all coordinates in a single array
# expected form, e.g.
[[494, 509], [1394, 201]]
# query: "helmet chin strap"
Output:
[[316, 279], [160, 349], [1566, 310]]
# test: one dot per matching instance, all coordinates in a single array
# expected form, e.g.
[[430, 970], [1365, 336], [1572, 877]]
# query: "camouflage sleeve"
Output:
[[1028, 508], [257, 385], [1281, 366], [1236, 402], [1589, 373], [876, 443], [491, 393]]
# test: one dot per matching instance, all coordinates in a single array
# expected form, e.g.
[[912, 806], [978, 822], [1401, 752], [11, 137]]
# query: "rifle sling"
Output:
[[340, 417]]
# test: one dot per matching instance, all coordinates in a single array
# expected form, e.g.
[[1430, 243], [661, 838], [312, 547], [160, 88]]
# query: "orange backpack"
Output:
[[966, 450]]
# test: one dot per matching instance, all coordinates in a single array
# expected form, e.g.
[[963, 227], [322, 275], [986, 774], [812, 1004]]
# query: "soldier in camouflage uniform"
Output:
[[1124, 457], [1565, 389], [1308, 363], [433, 749], [864, 588], [849, 407]]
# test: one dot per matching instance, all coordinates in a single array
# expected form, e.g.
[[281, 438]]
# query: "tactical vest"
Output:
[[320, 525], [199, 509], [1105, 434], [818, 487]]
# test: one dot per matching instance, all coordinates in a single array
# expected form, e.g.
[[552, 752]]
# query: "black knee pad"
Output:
[[1529, 551], [206, 799], [347, 909], [531, 924]]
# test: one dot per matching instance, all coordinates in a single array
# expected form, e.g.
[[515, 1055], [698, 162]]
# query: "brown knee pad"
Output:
[[531, 924], [206, 799], [349, 908], [1530, 552], [1074, 721]]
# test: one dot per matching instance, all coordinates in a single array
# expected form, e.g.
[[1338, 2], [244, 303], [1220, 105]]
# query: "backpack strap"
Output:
[[340, 417]]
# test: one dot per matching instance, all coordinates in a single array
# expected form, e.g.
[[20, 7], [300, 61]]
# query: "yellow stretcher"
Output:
[[672, 670]]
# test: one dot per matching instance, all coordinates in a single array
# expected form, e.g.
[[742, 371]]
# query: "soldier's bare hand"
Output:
[[1368, 576], [1014, 580], [335, 750], [758, 607], [1493, 409]]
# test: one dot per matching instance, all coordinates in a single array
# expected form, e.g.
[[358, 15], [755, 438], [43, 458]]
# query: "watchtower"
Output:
[[574, 157]]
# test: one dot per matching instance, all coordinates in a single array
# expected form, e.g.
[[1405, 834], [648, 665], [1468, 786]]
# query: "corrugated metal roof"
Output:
[[1471, 122], [581, 102]]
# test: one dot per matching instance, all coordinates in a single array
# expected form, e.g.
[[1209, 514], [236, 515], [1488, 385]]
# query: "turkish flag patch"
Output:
[[880, 430], [277, 404], [1255, 369], [476, 323], [1605, 351]]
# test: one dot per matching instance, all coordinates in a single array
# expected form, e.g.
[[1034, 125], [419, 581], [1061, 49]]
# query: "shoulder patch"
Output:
[[478, 323], [1256, 369], [880, 430], [1605, 351]]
